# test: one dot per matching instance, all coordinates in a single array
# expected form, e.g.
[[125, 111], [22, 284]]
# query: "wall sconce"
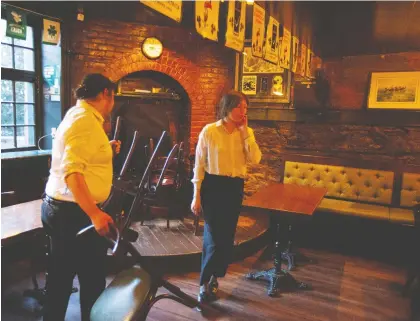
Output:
[[80, 13]]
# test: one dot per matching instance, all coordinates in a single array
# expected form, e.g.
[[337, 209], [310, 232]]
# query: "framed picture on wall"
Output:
[[272, 82], [249, 85], [394, 90]]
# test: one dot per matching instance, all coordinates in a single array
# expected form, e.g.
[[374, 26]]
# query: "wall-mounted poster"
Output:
[[277, 88], [249, 85], [207, 18], [235, 29], [171, 9], [302, 60], [264, 85], [16, 23], [395, 90], [284, 49], [258, 31], [309, 63], [271, 49], [51, 32], [295, 52], [253, 64]]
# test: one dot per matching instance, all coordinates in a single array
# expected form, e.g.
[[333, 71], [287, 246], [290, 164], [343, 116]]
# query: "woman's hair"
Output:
[[92, 85], [229, 101]]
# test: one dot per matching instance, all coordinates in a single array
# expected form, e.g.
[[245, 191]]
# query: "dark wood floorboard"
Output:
[[344, 289], [155, 239]]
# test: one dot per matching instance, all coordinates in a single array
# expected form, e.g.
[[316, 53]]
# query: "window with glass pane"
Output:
[[17, 114], [16, 53], [18, 126]]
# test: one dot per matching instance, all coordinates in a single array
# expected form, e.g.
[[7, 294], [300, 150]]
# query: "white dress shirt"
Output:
[[222, 153], [81, 146]]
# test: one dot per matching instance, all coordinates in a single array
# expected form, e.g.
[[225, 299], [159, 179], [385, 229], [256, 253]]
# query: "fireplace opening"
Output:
[[150, 102]]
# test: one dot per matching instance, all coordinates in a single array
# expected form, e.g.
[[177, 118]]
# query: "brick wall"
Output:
[[349, 76], [205, 69]]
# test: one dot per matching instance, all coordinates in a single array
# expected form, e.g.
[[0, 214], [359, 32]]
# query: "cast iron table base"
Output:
[[277, 276], [292, 256]]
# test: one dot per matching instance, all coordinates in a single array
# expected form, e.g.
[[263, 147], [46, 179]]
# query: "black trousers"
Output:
[[221, 200], [84, 256]]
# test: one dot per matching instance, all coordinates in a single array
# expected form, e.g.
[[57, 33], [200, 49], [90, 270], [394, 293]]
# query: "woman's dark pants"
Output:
[[221, 200]]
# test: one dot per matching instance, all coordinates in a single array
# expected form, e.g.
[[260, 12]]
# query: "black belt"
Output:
[[50, 200], [53, 201]]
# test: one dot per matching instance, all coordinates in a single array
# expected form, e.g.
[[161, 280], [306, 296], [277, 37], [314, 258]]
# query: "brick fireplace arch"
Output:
[[203, 98]]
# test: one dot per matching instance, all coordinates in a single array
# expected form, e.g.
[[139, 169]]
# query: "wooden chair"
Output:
[[163, 184]]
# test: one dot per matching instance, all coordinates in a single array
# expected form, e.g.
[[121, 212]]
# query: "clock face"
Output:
[[152, 48]]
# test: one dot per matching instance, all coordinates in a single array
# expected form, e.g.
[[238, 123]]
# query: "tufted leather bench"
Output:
[[409, 197], [359, 192]]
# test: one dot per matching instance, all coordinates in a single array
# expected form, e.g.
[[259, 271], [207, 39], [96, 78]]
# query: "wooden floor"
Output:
[[155, 239], [344, 288]]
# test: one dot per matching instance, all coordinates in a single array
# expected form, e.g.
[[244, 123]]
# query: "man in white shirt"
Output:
[[224, 148], [80, 179]]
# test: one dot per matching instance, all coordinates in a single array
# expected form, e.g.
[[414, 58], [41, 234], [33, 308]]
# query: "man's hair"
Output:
[[92, 85]]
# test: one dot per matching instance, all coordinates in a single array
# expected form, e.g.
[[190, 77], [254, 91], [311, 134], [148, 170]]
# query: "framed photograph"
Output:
[[249, 85], [394, 90], [253, 64]]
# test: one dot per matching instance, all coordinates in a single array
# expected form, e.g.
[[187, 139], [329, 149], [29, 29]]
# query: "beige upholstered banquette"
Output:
[[410, 190], [409, 197], [357, 191]]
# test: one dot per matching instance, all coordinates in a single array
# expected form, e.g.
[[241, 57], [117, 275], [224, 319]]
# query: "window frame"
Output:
[[28, 76]]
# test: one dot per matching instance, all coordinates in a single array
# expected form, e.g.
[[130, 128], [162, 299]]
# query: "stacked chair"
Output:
[[164, 183]]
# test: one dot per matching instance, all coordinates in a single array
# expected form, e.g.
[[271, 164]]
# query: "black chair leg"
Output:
[[196, 225], [146, 213]]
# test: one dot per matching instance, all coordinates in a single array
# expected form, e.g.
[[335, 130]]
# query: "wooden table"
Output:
[[287, 200], [20, 220]]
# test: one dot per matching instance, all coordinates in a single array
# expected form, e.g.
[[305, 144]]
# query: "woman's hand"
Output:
[[116, 146], [243, 127], [196, 205]]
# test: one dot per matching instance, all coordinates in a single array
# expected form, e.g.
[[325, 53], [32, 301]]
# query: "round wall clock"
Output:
[[152, 48]]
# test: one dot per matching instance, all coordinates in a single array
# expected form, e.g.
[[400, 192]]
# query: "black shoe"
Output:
[[203, 296], [213, 287]]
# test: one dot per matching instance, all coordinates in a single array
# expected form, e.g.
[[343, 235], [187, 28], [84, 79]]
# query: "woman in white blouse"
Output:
[[224, 148]]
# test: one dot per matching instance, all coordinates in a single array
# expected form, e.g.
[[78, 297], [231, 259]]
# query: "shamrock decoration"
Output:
[[51, 31]]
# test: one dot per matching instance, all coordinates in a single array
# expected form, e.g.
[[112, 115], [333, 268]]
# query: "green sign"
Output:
[[16, 23]]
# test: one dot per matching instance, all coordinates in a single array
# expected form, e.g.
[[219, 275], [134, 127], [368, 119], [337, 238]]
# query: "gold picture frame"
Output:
[[394, 90]]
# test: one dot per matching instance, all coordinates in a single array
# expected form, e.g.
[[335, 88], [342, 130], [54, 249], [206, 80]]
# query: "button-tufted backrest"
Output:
[[410, 190], [343, 182]]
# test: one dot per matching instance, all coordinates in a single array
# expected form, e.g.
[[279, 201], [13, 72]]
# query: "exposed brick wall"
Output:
[[205, 69], [349, 76]]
